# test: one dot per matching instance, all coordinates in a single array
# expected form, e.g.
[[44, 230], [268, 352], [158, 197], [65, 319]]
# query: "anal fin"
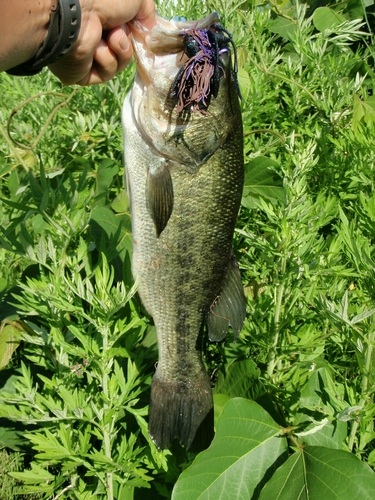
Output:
[[229, 308], [159, 195]]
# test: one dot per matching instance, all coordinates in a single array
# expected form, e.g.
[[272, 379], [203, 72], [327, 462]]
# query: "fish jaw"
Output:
[[159, 55]]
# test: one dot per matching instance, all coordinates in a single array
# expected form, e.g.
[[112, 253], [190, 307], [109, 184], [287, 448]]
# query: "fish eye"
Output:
[[191, 46]]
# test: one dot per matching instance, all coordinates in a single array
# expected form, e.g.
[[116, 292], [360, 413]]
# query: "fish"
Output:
[[184, 169]]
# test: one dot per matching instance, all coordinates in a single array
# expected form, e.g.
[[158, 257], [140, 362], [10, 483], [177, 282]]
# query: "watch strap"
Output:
[[63, 30]]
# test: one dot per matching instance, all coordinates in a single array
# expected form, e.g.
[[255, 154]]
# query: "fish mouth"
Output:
[[182, 88], [163, 40]]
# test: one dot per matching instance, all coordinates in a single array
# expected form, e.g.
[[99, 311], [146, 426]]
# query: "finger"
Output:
[[76, 66], [110, 57], [146, 14], [104, 65], [119, 41], [123, 12]]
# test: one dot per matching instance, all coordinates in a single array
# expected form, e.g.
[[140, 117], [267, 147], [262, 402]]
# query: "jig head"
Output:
[[199, 78]]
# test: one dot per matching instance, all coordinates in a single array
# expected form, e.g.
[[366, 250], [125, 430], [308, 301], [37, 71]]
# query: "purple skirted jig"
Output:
[[200, 77]]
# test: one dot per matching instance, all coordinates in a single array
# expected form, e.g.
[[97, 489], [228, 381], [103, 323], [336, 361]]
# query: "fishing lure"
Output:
[[199, 78]]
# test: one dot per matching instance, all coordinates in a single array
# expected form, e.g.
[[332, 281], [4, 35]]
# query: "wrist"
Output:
[[63, 29]]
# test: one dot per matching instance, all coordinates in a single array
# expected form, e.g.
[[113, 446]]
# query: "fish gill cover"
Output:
[[200, 77]]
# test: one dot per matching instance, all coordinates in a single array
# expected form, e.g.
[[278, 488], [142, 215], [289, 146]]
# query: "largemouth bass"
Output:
[[184, 173]]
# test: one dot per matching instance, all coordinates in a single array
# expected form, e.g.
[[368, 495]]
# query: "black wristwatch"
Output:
[[62, 33]]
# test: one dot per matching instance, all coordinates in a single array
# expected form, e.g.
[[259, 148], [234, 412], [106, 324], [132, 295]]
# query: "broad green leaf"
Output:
[[239, 380], [262, 181], [331, 435], [284, 27], [323, 432], [107, 169], [285, 7], [246, 449], [355, 8], [317, 473], [220, 400], [9, 341], [39, 224], [114, 229], [363, 111], [244, 82], [107, 221], [314, 395], [121, 203], [370, 106], [325, 18], [3, 285]]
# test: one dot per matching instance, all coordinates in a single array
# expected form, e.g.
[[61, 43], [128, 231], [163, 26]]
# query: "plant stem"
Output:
[[364, 385], [278, 305], [106, 429], [273, 350], [47, 122], [13, 148]]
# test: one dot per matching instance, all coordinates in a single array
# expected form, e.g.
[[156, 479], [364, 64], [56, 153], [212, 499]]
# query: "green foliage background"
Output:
[[294, 410]]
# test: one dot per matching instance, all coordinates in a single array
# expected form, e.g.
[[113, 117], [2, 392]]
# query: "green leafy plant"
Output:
[[82, 385], [294, 411]]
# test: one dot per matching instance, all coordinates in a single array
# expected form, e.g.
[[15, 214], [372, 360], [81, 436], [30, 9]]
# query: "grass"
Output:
[[11, 462]]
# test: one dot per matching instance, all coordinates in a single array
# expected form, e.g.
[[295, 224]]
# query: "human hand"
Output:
[[103, 47]]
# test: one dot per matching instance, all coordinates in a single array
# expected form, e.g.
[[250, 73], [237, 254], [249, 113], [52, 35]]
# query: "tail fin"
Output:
[[182, 410]]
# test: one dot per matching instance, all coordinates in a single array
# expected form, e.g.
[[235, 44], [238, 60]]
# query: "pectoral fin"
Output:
[[159, 195], [229, 308]]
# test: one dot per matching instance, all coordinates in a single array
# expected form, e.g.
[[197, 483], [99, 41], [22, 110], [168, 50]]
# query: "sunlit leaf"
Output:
[[262, 181], [33, 476], [114, 230], [316, 472], [244, 82], [121, 203], [3, 284], [326, 18], [107, 169], [9, 341], [239, 380], [284, 27], [355, 8], [220, 400], [11, 438], [324, 433], [243, 454]]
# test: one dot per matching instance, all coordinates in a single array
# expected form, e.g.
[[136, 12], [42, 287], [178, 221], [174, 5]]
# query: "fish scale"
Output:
[[183, 270]]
